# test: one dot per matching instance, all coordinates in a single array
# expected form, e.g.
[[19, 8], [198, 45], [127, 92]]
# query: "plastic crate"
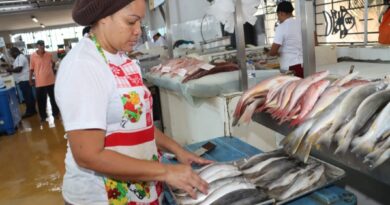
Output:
[[9, 111]]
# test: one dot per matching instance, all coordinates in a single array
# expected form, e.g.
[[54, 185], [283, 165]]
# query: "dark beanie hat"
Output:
[[87, 12], [285, 6]]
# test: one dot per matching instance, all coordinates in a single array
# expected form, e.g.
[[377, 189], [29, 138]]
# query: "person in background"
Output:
[[20, 71], [41, 66], [288, 40], [159, 40], [107, 112]]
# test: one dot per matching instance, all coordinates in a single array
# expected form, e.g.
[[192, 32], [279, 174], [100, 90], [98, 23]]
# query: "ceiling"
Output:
[[16, 14]]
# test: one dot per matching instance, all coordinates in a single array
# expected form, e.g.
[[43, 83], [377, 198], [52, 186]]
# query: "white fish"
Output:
[[303, 181], [365, 144], [229, 188], [258, 167], [219, 171], [385, 155]]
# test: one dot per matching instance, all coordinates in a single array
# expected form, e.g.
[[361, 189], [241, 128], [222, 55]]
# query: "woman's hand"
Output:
[[189, 158], [183, 177]]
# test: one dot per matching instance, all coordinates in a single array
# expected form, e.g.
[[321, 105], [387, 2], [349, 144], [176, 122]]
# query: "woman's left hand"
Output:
[[189, 158]]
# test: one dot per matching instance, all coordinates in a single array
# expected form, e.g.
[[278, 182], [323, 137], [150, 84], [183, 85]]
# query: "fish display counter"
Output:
[[231, 149]]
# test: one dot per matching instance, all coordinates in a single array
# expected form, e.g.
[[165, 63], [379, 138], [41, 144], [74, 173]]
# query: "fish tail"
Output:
[[381, 159], [364, 147], [303, 151], [343, 146], [325, 139]]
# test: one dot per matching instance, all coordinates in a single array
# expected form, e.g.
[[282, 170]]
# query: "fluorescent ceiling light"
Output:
[[42, 25], [12, 1], [34, 19]]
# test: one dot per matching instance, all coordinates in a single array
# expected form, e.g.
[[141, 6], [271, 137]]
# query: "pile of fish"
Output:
[[272, 175], [191, 68], [352, 113]]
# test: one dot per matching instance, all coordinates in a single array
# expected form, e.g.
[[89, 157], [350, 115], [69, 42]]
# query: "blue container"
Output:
[[9, 111]]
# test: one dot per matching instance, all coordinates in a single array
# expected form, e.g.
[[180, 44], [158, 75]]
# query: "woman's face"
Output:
[[123, 28]]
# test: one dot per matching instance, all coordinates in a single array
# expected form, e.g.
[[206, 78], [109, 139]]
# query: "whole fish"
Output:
[[242, 197], [259, 90], [368, 108], [346, 110], [301, 88], [255, 159], [285, 99], [310, 98], [365, 144], [276, 89], [258, 167], [187, 200], [229, 188], [327, 98], [274, 171], [217, 69], [219, 171], [290, 176], [303, 181], [312, 128]]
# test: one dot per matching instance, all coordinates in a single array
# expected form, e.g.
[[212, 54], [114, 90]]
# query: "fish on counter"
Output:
[[219, 68], [273, 171], [242, 197], [304, 181], [255, 159]]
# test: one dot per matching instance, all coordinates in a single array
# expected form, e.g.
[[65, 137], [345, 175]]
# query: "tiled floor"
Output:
[[32, 164]]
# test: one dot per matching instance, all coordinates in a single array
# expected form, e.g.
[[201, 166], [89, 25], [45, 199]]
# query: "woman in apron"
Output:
[[112, 155]]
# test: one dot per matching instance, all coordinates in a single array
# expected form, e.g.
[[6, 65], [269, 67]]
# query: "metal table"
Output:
[[231, 148]]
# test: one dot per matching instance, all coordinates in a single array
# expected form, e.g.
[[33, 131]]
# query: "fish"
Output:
[[346, 110], [341, 133], [378, 150], [259, 90], [302, 182], [219, 171], [242, 197], [327, 98], [383, 157], [229, 188], [274, 171], [227, 67], [258, 167], [276, 89], [301, 88], [345, 79], [247, 115], [187, 200], [365, 144], [291, 142], [310, 98], [285, 99], [289, 177], [255, 159]]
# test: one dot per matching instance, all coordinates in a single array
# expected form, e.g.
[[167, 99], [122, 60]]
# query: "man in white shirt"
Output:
[[159, 40], [288, 40], [21, 71]]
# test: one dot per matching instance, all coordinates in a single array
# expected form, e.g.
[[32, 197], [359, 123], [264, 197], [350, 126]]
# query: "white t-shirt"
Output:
[[21, 61], [288, 35], [93, 94]]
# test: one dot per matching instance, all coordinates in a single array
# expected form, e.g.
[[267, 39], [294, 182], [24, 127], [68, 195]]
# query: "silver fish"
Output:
[[229, 188], [258, 167], [187, 200], [290, 176], [365, 144], [303, 181], [219, 171], [346, 111], [258, 158], [378, 150], [242, 197], [274, 171]]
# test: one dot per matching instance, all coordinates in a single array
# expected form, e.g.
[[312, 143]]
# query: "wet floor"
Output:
[[32, 163]]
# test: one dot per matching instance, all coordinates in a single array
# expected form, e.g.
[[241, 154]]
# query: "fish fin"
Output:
[[247, 115], [364, 147], [303, 151], [344, 145], [325, 140]]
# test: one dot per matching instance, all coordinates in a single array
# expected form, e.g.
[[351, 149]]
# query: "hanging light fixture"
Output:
[[42, 25], [34, 19]]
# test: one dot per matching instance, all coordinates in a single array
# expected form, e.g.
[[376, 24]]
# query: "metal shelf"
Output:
[[374, 183]]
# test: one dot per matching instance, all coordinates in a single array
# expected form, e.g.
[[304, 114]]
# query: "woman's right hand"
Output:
[[183, 177]]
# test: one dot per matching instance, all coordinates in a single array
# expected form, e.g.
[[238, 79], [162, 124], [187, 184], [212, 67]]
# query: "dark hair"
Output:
[[157, 34], [86, 30], [285, 6], [15, 51], [41, 43]]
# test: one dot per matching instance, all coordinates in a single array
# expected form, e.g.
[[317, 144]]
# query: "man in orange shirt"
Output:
[[41, 65]]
